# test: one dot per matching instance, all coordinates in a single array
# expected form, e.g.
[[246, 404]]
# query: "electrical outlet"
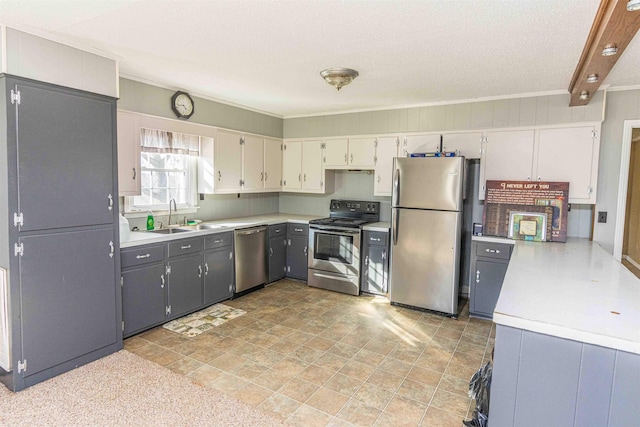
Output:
[[602, 217]]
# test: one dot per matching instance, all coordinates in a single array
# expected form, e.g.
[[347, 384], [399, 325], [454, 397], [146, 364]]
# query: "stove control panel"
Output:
[[357, 206]]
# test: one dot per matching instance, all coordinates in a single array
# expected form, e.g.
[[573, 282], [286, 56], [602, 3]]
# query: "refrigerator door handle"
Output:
[[394, 222], [396, 188]]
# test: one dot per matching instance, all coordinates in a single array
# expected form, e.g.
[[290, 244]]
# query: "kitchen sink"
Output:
[[170, 230], [201, 226]]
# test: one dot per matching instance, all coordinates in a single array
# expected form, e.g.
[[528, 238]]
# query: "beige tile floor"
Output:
[[321, 358]]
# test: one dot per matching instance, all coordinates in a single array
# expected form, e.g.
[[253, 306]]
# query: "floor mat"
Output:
[[203, 320]]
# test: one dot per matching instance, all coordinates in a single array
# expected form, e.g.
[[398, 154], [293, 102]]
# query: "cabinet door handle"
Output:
[[266, 176], [298, 230], [219, 176], [134, 174], [261, 176], [351, 158], [185, 247], [199, 271], [110, 197], [384, 255], [345, 157], [270, 251], [143, 256], [305, 177], [299, 175], [112, 249], [162, 281], [379, 178], [366, 260], [305, 250], [477, 276], [218, 241], [206, 268], [493, 251]]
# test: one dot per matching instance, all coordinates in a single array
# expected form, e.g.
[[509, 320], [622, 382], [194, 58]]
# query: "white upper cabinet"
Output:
[[252, 163], [468, 145], [292, 165], [386, 149], [426, 143], [507, 155], [128, 154], [560, 154], [228, 162], [273, 164], [312, 165], [336, 153], [345, 153], [570, 154], [362, 152]]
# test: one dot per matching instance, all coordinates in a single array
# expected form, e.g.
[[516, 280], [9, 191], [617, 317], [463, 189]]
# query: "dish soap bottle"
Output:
[[150, 222]]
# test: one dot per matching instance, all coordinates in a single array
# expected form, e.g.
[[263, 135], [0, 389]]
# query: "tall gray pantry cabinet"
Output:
[[59, 233]]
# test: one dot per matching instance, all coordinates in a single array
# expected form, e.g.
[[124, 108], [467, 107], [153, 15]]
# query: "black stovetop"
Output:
[[350, 214]]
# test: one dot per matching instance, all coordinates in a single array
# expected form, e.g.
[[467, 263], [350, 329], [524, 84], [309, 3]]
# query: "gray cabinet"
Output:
[[58, 229], [297, 248], [161, 282], [374, 269], [277, 252], [143, 288], [218, 268], [489, 262]]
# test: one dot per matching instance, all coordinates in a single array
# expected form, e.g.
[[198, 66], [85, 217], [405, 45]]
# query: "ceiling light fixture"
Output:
[[339, 77], [584, 95], [609, 50], [592, 78], [633, 5]]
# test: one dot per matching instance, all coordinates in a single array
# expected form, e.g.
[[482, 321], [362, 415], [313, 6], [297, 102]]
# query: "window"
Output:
[[167, 170]]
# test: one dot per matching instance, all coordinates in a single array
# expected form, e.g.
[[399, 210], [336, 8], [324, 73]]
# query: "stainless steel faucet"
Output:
[[175, 208]]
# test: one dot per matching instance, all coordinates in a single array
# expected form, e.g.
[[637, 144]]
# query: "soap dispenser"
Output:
[[150, 222]]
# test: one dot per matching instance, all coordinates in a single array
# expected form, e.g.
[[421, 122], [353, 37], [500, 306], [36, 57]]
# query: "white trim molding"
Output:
[[623, 185]]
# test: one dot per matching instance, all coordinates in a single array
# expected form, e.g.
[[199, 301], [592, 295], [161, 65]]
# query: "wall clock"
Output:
[[182, 105]]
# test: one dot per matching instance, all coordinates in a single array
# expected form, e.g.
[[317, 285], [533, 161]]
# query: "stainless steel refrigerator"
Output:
[[426, 222]]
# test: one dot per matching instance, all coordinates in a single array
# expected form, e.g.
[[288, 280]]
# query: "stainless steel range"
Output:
[[334, 245]]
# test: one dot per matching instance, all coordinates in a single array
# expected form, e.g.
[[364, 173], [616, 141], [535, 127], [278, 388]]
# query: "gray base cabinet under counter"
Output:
[[218, 268], [489, 262], [374, 269], [143, 284], [297, 249], [277, 252]]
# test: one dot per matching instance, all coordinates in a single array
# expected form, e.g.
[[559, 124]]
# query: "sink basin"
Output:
[[169, 230], [201, 226]]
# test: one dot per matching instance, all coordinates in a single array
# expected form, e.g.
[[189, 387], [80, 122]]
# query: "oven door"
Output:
[[335, 250]]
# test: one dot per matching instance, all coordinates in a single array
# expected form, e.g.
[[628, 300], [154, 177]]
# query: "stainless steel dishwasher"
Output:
[[251, 258]]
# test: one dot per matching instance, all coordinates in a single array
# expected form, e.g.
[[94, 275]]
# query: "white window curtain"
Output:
[[158, 141]]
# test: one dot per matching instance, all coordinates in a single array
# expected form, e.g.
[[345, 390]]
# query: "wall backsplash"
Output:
[[356, 185]]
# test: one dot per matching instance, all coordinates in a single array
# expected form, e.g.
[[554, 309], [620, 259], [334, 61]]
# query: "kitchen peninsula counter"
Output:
[[574, 290], [567, 349]]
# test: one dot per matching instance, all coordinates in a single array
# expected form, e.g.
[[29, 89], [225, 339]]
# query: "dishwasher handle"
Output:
[[251, 231]]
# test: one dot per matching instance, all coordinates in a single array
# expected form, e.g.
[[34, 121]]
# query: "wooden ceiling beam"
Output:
[[613, 25]]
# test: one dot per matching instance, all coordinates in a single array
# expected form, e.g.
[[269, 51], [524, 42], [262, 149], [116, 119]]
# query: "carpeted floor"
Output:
[[124, 390]]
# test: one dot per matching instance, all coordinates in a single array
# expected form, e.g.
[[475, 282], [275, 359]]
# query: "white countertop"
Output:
[[137, 238], [493, 239], [572, 290], [382, 226]]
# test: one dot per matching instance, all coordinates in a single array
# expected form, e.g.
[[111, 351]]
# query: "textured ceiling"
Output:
[[266, 55]]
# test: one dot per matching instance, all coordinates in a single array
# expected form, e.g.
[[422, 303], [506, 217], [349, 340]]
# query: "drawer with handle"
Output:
[[218, 240], [377, 238], [297, 229], [185, 246], [277, 230], [137, 256], [493, 250]]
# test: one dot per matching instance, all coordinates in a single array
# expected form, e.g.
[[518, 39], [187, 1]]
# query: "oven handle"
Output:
[[334, 231]]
